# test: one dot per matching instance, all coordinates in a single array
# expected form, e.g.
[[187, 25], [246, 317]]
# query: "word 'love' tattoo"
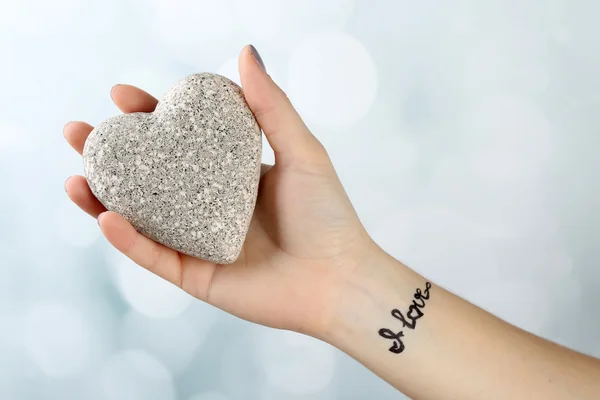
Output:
[[408, 321]]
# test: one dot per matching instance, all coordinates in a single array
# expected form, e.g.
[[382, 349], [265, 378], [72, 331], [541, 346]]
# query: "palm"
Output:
[[288, 241]]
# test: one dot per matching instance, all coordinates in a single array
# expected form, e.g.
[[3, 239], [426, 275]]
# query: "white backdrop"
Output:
[[466, 135]]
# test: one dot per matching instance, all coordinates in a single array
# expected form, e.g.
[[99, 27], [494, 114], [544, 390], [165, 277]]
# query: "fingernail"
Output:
[[100, 217], [65, 185], [257, 57]]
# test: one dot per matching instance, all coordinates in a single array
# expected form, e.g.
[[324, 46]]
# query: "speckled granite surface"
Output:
[[186, 175]]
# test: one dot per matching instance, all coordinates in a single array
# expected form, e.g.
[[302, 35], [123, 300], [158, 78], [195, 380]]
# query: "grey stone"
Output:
[[185, 175]]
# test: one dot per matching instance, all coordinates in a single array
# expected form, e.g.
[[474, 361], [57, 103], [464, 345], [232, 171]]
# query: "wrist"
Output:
[[357, 309]]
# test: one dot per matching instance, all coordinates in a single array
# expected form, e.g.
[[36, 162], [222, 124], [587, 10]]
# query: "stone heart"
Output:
[[185, 175]]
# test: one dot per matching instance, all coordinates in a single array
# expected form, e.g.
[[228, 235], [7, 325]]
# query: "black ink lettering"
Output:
[[421, 304], [405, 323], [397, 346], [427, 287], [410, 321], [414, 312]]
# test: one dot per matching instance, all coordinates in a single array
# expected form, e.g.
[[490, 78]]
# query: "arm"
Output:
[[451, 349], [309, 266]]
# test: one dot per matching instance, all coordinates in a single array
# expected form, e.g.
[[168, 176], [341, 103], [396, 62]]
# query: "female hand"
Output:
[[304, 237], [308, 265]]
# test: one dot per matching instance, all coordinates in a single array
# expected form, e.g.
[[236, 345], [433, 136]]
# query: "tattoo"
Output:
[[398, 346], [409, 321]]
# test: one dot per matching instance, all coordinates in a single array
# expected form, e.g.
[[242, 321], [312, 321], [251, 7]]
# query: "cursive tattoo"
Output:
[[408, 321], [398, 345]]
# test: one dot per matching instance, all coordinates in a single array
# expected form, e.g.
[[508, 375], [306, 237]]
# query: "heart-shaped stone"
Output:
[[185, 175]]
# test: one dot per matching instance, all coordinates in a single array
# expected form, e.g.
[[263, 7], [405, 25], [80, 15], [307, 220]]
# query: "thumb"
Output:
[[286, 132]]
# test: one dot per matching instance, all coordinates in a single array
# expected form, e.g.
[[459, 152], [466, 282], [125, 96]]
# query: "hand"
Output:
[[308, 265], [304, 238]]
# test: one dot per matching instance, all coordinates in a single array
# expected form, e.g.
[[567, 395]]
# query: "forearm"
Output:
[[449, 348]]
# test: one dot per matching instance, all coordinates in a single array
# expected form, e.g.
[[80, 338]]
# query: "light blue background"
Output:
[[466, 135]]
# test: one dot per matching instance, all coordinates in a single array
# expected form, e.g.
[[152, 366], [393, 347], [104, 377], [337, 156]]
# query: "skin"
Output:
[[308, 265], [295, 251]]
